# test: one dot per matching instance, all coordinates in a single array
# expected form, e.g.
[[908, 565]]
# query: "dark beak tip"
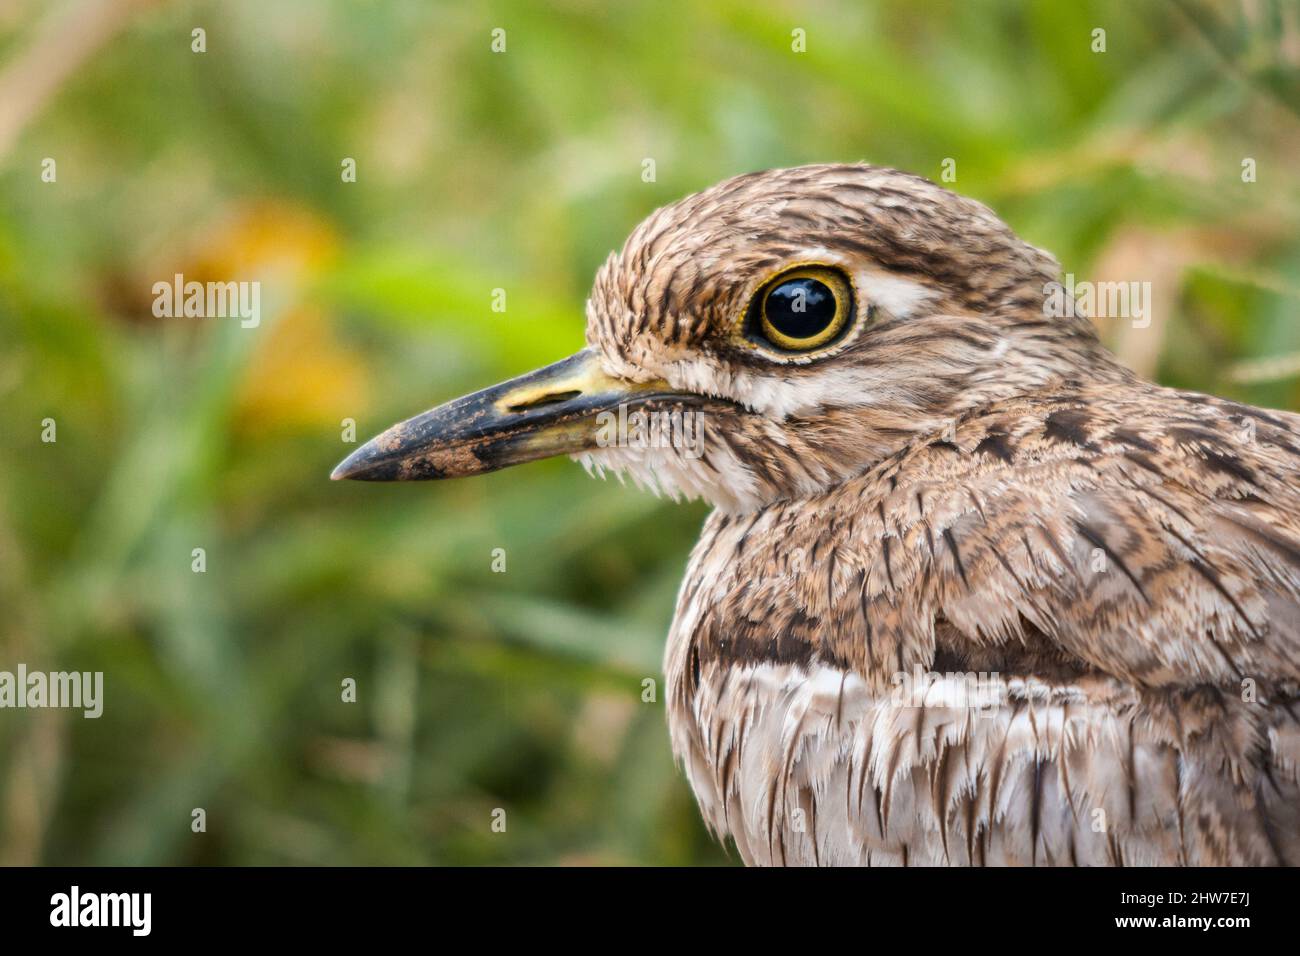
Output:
[[356, 465]]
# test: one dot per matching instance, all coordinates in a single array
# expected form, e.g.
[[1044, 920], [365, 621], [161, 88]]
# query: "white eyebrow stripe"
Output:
[[899, 296]]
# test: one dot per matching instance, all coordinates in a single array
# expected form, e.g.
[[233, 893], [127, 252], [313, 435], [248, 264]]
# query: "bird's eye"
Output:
[[803, 309]]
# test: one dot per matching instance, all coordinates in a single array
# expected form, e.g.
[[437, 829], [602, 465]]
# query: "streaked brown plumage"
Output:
[[960, 484]]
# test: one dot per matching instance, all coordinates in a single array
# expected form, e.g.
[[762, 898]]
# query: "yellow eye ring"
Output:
[[803, 309]]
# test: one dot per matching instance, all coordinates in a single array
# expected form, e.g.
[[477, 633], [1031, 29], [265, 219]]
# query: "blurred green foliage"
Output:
[[478, 170]]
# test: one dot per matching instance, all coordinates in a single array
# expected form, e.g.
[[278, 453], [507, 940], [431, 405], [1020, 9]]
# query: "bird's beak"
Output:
[[555, 410]]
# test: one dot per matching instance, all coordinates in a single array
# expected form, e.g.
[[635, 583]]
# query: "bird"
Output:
[[971, 592]]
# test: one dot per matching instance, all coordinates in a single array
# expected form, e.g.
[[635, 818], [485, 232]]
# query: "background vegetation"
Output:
[[476, 171]]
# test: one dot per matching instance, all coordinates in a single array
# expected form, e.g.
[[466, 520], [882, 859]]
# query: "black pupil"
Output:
[[800, 308]]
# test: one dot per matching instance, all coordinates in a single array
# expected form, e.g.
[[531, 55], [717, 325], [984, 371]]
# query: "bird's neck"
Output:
[[804, 458]]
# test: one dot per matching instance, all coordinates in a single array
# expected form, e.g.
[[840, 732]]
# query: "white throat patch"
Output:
[[718, 476]]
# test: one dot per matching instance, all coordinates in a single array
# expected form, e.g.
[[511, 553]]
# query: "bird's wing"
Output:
[[1152, 536], [1140, 547]]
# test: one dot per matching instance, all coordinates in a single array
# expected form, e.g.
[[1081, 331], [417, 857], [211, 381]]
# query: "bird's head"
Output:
[[769, 337]]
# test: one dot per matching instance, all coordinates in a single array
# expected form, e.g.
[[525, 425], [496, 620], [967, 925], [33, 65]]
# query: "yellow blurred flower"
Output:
[[299, 375]]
